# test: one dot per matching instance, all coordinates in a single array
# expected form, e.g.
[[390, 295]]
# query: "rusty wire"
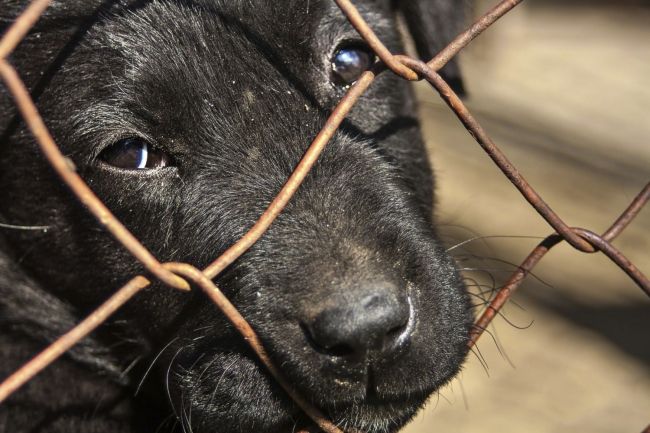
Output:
[[179, 275]]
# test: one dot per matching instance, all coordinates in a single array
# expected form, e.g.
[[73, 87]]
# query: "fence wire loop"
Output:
[[180, 275]]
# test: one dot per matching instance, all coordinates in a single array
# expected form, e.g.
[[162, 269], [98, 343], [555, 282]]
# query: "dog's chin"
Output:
[[373, 415], [229, 392]]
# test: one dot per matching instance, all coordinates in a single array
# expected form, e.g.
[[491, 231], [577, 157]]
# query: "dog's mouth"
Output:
[[371, 415], [221, 380]]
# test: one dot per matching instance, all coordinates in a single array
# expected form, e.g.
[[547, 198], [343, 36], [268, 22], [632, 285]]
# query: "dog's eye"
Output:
[[349, 62], [134, 154]]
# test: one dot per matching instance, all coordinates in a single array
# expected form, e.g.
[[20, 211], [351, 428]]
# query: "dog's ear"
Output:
[[433, 24]]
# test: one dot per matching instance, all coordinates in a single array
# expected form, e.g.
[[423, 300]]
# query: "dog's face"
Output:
[[186, 118]]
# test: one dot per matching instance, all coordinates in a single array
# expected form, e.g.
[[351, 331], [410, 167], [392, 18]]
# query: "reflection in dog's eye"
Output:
[[349, 63], [134, 154]]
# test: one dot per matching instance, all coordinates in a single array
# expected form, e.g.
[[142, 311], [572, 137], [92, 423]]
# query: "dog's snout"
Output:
[[373, 325]]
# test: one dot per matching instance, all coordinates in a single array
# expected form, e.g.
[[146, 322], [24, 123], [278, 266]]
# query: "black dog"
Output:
[[186, 117]]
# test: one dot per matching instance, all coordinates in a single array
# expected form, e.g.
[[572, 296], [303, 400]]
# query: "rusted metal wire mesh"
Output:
[[182, 276]]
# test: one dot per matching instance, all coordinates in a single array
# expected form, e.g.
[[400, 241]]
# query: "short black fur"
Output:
[[232, 91]]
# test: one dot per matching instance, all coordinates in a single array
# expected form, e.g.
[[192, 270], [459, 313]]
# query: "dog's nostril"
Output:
[[340, 350], [396, 331], [320, 345], [373, 326]]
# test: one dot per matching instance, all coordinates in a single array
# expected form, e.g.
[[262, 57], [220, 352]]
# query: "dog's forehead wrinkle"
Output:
[[218, 127], [193, 46]]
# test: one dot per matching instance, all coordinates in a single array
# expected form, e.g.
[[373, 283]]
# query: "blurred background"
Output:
[[562, 88]]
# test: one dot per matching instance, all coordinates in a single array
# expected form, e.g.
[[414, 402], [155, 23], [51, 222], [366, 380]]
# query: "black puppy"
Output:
[[186, 117]]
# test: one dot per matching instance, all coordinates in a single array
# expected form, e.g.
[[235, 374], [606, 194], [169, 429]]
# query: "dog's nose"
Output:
[[370, 326]]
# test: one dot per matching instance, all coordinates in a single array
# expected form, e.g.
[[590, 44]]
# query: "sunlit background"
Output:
[[562, 87]]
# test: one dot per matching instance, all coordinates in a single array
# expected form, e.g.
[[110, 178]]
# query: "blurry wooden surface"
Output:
[[563, 87]]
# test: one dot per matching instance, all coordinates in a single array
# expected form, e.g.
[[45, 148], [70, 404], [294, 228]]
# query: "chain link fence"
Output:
[[181, 276]]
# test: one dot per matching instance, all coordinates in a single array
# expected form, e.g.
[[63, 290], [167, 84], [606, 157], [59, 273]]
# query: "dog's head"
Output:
[[186, 117]]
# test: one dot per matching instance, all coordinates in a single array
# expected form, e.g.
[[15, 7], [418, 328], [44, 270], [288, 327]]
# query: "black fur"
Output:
[[233, 90]]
